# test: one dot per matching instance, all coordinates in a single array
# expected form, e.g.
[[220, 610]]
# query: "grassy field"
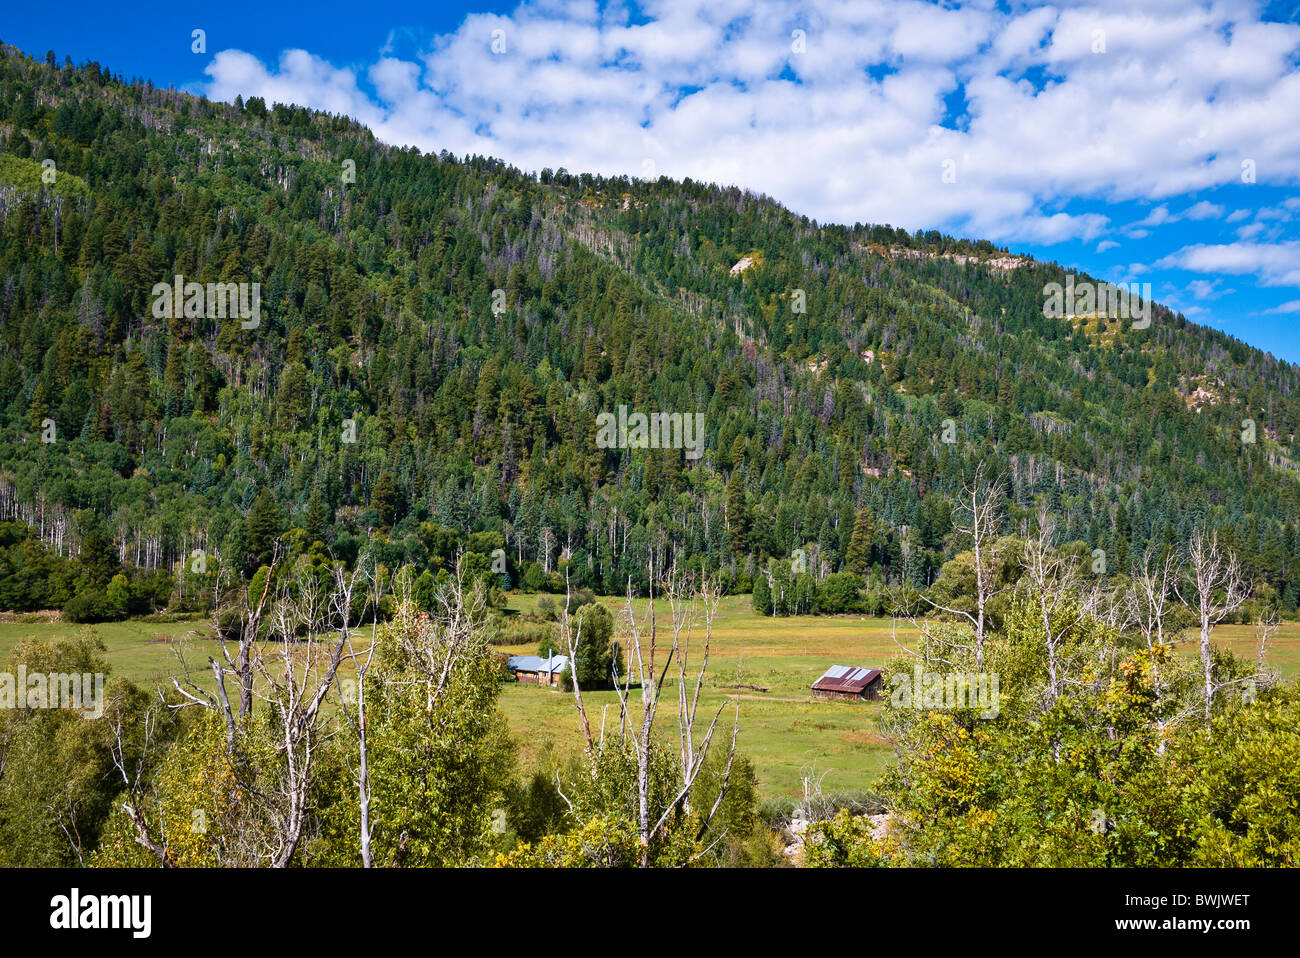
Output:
[[784, 731], [144, 652]]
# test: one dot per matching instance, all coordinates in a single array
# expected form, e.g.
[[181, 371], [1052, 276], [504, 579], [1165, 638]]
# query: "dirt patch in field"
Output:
[[863, 737], [191, 636]]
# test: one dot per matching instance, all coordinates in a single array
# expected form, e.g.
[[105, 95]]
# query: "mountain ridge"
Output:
[[383, 305]]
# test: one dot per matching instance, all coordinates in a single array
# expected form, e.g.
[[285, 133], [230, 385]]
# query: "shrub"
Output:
[[844, 841], [838, 593], [603, 843], [92, 605]]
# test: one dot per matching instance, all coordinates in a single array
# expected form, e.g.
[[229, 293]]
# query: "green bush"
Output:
[[92, 605], [839, 593]]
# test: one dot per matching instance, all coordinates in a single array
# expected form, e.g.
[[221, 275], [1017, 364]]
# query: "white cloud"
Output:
[[1207, 288], [1275, 264], [713, 90], [1157, 217], [1204, 210], [1161, 216], [1279, 213]]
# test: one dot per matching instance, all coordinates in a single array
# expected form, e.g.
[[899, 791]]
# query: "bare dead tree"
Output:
[[294, 683], [979, 506], [651, 686], [981, 502], [572, 637], [1149, 606], [1267, 625], [1216, 587], [547, 542], [678, 593], [374, 580], [816, 805], [1057, 592], [65, 813], [193, 694], [940, 640], [288, 673], [641, 743], [132, 765], [432, 645], [251, 611], [1150, 602], [682, 599]]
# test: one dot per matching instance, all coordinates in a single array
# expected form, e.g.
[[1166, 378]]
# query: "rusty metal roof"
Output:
[[845, 678]]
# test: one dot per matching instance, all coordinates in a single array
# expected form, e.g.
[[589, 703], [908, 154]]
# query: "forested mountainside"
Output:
[[467, 322]]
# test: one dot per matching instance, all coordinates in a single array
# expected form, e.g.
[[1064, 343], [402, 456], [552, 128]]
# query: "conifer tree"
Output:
[[858, 558]]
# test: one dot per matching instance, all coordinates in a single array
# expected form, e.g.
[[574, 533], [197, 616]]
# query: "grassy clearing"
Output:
[[143, 651], [784, 731]]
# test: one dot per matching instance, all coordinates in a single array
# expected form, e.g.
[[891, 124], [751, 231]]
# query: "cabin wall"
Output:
[[821, 694]]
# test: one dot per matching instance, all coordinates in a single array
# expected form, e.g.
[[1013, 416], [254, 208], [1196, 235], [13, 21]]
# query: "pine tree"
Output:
[[97, 557], [762, 598], [265, 523], [318, 517], [858, 558], [737, 514], [383, 499]]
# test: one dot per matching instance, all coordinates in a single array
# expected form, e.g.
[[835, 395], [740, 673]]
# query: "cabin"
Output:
[[849, 682], [539, 669]]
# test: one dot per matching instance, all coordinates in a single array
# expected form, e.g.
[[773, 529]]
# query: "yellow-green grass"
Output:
[[142, 651], [785, 732], [1282, 652], [149, 653]]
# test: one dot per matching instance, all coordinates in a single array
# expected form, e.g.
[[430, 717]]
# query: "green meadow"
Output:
[[759, 665]]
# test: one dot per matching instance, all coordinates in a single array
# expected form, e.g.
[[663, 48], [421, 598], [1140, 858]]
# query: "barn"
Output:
[[540, 669], [849, 682]]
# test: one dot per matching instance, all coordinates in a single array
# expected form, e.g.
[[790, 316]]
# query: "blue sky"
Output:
[[1154, 141]]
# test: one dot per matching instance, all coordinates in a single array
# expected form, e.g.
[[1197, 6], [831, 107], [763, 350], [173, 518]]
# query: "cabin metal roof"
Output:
[[537, 663], [846, 678]]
